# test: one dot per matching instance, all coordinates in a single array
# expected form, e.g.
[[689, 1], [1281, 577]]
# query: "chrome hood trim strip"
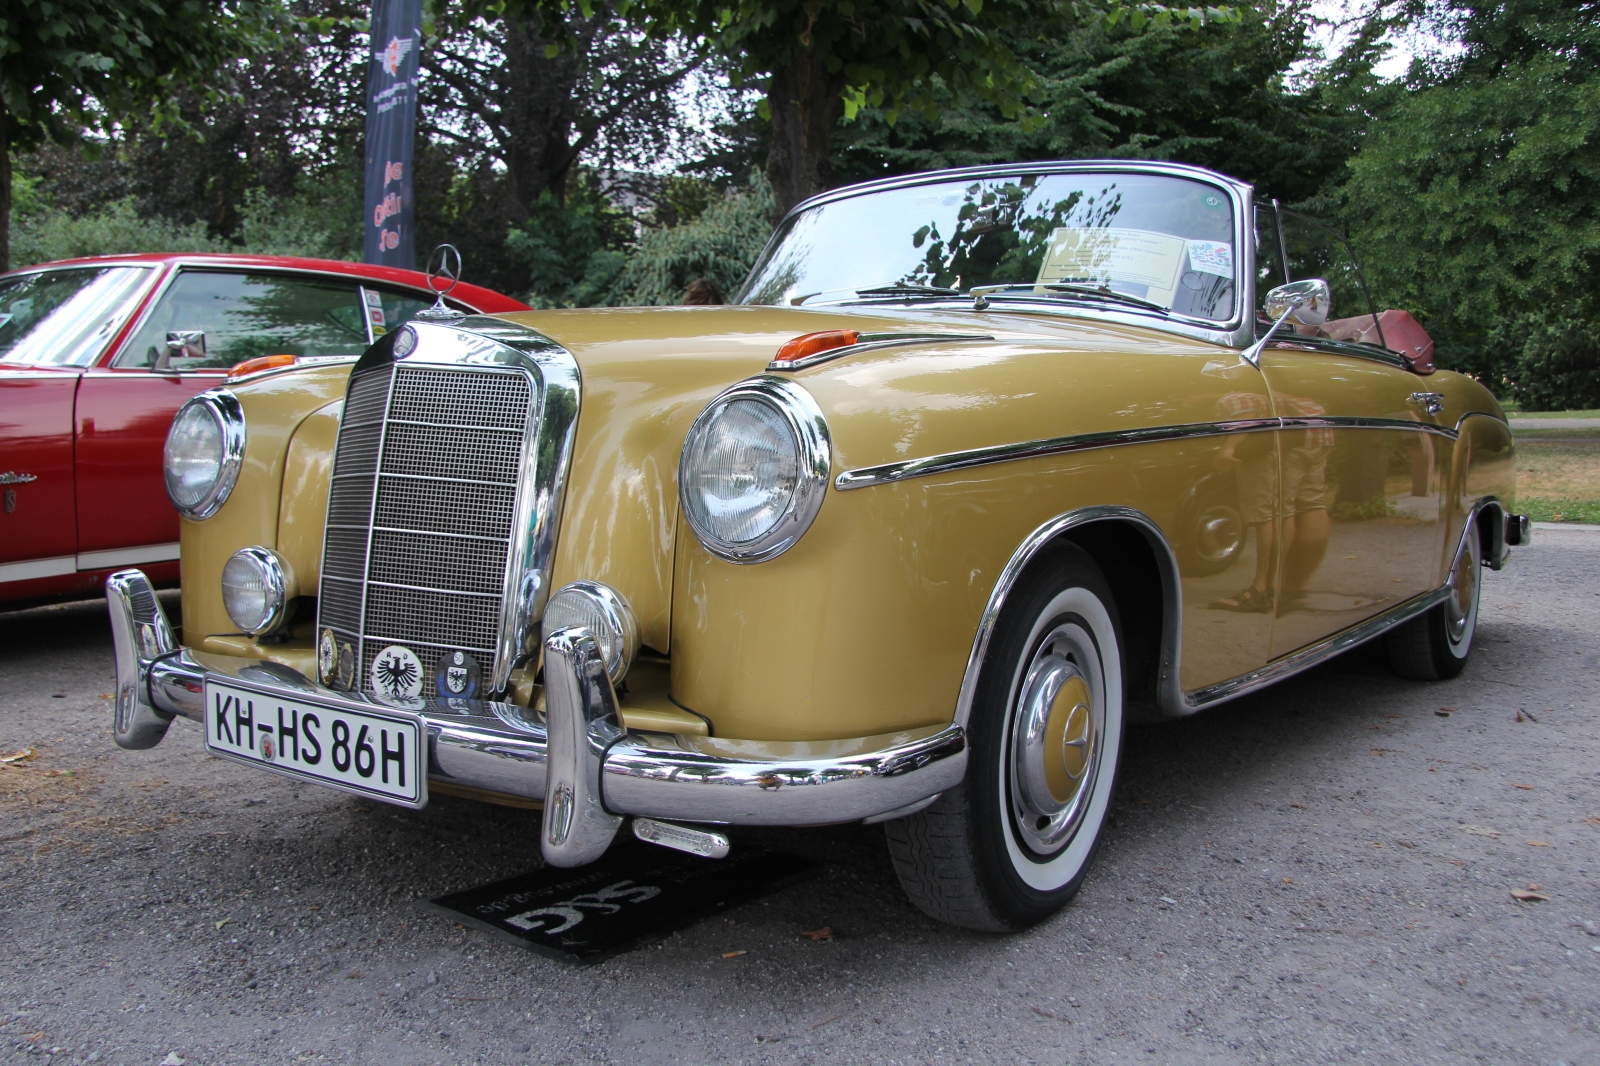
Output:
[[1005, 453]]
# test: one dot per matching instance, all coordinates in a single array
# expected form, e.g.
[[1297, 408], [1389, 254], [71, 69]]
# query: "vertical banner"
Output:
[[391, 126]]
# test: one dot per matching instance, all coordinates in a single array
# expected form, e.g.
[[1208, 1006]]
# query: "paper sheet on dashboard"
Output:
[[1130, 257]]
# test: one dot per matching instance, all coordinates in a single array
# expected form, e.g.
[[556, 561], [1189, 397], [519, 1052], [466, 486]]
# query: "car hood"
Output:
[[648, 372]]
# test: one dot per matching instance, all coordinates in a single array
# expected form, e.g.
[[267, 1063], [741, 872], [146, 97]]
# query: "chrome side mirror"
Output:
[[181, 344], [1307, 302]]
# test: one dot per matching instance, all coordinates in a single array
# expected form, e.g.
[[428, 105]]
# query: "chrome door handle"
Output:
[[1431, 402]]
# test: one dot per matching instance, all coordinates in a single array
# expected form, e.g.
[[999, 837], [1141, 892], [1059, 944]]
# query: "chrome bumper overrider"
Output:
[[588, 770]]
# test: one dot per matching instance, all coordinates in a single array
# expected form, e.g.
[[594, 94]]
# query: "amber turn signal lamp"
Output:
[[811, 343], [258, 364]]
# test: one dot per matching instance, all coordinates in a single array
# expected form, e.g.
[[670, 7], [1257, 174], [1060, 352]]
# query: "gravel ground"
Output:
[[1319, 873]]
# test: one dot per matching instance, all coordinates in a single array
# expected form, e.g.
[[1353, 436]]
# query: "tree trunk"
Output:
[[537, 98], [804, 102], [5, 189]]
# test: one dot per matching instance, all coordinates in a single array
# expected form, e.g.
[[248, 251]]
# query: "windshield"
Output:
[[1163, 240], [65, 317]]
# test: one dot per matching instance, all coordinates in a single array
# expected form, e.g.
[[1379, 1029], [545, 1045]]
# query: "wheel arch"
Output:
[[1139, 566], [1490, 516]]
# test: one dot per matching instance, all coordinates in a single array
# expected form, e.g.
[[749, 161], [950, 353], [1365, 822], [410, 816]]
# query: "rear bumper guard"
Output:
[[589, 771]]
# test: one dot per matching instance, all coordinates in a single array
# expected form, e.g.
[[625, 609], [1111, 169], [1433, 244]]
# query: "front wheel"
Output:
[[1012, 843], [1434, 646]]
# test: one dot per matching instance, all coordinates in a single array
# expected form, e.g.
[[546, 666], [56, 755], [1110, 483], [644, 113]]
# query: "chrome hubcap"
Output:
[[1463, 591], [1056, 740]]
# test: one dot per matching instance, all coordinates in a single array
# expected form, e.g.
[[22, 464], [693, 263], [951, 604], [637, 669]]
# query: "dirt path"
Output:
[[1320, 873]]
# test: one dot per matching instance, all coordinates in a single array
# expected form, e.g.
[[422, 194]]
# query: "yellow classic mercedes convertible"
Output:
[[979, 467]]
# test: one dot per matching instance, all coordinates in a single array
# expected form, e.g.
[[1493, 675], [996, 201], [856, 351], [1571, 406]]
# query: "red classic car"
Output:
[[96, 355]]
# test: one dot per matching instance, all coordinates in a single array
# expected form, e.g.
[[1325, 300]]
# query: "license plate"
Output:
[[371, 751]]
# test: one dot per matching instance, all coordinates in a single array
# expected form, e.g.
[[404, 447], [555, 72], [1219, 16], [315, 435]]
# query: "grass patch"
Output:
[[1557, 434], [1512, 412], [1559, 480]]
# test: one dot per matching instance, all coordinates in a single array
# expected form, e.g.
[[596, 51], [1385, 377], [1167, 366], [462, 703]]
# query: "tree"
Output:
[[70, 64], [823, 59], [1475, 198], [1219, 97], [500, 90]]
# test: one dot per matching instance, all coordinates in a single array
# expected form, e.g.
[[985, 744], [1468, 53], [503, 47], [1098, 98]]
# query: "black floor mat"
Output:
[[636, 893]]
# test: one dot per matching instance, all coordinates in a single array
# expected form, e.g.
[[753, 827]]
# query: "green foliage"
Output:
[[67, 63], [721, 244], [1554, 362], [1215, 97], [43, 236], [889, 54], [1475, 198], [304, 225], [571, 251]]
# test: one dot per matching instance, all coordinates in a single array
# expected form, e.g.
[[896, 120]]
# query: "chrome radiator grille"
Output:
[[421, 512]]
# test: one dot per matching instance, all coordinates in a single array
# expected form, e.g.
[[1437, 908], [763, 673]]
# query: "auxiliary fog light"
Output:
[[255, 590], [604, 613]]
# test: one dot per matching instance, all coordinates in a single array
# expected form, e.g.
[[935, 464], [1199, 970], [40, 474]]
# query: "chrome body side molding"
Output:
[[1171, 699], [1311, 655], [1004, 453], [1350, 422], [865, 476]]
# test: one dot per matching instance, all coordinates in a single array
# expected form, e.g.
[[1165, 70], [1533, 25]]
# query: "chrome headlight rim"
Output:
[[224, 408], [276, 583], [616, 612], [809, 427]]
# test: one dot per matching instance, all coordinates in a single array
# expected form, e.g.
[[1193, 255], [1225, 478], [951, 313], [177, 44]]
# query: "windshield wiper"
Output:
[[1092, 292], [1106, 293], [900, 288]]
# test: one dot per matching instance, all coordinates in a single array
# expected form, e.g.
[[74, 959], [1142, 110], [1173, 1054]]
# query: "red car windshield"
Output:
[[66, 317]]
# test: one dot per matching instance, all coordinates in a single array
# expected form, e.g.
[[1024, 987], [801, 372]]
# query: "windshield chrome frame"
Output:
[[1237, 331]]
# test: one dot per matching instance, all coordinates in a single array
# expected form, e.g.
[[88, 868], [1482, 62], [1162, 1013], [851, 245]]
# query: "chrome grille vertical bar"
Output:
[[366, 560]]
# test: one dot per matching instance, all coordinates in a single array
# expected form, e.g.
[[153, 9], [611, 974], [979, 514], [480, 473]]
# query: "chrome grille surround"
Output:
[[446, 493]]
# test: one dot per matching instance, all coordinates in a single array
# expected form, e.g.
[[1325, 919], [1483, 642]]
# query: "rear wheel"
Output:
[[1435, 646], [1012, 843]]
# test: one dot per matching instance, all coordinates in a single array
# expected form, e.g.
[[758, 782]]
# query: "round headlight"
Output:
[[205, 448], [754, 469], [255, 590], [604, 613]]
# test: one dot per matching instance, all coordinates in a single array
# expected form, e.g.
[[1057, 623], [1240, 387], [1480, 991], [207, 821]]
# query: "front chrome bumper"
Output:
[[588, 770]]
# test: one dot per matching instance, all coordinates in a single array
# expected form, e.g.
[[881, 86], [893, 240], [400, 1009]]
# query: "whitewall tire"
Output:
[[1012, 843]]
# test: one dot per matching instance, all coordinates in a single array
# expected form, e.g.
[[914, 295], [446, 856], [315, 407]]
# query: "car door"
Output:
[[53, 323], [1361, 463], [37, 535], [125, 409]]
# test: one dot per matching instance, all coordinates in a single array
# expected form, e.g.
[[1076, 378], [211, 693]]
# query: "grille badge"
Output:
[[457, 675], [327, 657], [397, 675], [405, 343]]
